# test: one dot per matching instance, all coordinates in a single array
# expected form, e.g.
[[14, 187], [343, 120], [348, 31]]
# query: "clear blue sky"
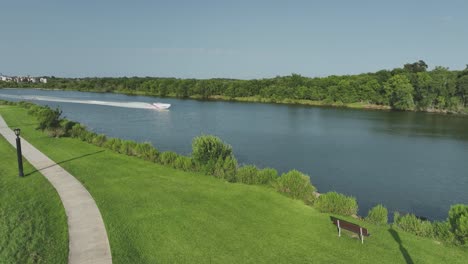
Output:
[[235, 39]]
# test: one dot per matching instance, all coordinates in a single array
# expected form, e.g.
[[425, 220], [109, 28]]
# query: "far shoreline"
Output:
[[255, 99]]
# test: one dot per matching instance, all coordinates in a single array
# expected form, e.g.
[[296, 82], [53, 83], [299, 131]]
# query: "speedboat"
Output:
[[160, 106]]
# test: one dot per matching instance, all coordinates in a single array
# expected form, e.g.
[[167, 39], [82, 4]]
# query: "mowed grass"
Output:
[[155, 214], [33, 225]]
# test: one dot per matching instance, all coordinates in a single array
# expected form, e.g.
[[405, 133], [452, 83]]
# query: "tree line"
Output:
[[412, 87]]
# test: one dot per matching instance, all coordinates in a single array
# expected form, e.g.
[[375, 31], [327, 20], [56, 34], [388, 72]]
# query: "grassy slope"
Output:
[[157, 214], [33, 225]]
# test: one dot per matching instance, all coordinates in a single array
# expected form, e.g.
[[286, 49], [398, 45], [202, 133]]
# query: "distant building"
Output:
[[43, 80], [3, 78]]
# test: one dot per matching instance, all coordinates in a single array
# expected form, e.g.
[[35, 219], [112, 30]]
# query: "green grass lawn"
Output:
[[155, 214], [33, 225]]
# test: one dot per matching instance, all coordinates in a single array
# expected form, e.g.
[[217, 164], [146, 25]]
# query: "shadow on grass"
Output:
[[403, 250], [65, 161]]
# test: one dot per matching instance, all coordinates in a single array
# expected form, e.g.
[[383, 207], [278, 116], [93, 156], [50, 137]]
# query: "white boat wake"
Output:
[[138, 105]]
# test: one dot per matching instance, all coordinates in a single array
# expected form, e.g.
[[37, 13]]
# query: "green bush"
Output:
[[113, 144], [378, 215], [77, 130], [458, 219], [410, 223], [443, 232], [168, 157], [189, 165], [128, 147], [183, 163], [223, 169], [337, 203], [48, 118], [67, 126], [89, 136], [230, 169], [247, 174], [209, 148], [56, 132], [267, 176], [99, 140], [147, 151], [296, 185]]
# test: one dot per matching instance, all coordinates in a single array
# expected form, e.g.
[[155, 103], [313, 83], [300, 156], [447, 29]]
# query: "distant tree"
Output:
[[419, 66], [422, 90], [400, 92], [462, 89]]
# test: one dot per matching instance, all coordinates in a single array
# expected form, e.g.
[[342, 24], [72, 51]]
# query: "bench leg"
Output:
[[362, 237]]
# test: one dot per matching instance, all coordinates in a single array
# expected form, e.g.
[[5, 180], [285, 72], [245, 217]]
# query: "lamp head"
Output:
[[17, 131]]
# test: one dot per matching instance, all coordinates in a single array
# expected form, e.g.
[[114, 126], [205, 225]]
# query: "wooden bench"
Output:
[[343, 224]]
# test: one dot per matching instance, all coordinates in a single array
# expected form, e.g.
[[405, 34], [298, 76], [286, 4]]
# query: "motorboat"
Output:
[[160, 106]]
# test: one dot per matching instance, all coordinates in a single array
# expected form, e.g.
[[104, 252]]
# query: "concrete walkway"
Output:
[[87, 235]]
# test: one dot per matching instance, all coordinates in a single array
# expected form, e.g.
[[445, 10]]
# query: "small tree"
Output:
[[400, 92]]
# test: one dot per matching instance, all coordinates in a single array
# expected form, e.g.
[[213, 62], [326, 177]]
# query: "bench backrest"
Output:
[[350, 226]]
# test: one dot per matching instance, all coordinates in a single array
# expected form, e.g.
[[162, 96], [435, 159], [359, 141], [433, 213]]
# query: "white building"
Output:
[[43, 80]]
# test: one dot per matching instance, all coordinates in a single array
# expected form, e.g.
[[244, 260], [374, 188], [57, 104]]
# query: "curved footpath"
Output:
[[87, 235]]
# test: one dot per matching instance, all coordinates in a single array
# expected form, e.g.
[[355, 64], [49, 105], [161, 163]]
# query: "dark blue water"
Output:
[[410, 162]]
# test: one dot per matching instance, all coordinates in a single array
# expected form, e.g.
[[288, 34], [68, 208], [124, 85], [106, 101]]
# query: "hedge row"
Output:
[[454, 230]]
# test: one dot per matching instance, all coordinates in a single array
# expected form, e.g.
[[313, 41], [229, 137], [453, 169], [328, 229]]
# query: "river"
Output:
[[409, 162]]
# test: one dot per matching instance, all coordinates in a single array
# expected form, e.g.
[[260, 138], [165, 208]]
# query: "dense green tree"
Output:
[[419, 66], [440, 88], [462, 89], [399, 92]]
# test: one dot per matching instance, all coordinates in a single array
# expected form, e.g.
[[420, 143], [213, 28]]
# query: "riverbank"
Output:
[[257, 99], [157, 214]]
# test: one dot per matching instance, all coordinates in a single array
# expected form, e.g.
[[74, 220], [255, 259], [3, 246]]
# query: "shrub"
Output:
[[218, 168], [337, 203], [56, 132], [266, 176], [48, 118], [88, 136], [410, 223], [128, 147], [147, 151], [247, 174], [458, 219], [230, 169], [76, 130], [168, 157], [296, 185], [378, 215], [222, 169], [443, 232], [206, 148], [67, 126], [179, 162], [99, 140], [113, 144]]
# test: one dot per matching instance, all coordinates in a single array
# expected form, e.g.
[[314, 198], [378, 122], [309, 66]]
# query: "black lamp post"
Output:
[[18, 152]]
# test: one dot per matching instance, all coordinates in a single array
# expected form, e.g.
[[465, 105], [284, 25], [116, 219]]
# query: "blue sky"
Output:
[[232, 39]]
